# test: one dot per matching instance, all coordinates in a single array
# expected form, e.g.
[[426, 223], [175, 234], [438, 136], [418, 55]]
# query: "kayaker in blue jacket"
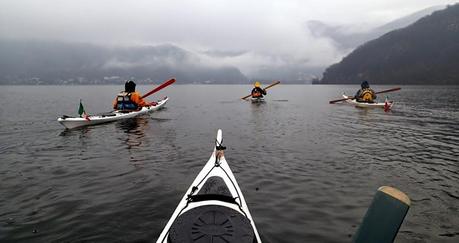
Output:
[[129, 99], [365, 94], [258, 92]]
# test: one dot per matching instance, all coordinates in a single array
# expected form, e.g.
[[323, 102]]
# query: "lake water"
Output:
[[316, 166]]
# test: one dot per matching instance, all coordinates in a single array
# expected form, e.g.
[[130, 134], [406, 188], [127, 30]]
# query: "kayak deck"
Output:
[[257, 100], [74, 122], [213, 209], [369, 105]]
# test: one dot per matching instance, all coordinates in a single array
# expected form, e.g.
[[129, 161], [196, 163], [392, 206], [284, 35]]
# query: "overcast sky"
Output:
[[260, 28]]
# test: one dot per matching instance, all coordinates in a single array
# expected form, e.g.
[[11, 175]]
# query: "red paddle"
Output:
[[162, 86]]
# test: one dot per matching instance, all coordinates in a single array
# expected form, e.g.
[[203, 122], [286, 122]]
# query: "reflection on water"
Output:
[[81, 131], [134, 133], [134, 129], [306, 168]]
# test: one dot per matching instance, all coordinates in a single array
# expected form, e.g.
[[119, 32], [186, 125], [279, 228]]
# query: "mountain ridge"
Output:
[[425, 52], [347, 40]]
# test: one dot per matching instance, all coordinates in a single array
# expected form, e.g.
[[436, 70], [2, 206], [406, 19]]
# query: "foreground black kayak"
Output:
[[213, 209]]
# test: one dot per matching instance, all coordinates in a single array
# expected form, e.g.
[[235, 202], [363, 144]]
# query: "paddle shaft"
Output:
[[162, 86], [267, 87], [384, 216], [352, 97]]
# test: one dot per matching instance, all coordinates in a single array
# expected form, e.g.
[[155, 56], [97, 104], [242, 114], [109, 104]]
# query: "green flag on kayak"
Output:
[[81, 109], [82, 112]]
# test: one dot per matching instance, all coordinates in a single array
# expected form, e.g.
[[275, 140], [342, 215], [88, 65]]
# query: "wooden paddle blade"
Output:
[[384, 216], [162, 86], [388, 90], [267, 87], [271, 85], [334, 101]]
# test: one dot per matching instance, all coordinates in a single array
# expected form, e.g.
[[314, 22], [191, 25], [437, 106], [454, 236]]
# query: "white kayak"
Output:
[[369, 105], [257, 100], [74, 122], [213, 209]]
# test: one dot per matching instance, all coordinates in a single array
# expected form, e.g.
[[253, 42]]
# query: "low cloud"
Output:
[[250, 35]]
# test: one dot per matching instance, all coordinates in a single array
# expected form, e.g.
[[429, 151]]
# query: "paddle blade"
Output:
[[160, 87], [271, 85], [245, 97], [388, 90], [334, 101], [384, 216]]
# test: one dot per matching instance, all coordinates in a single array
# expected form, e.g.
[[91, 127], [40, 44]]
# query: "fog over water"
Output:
[[254, 36]]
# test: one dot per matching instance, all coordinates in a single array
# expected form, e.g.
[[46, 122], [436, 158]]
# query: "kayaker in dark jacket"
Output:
[[258, 92], [129, 99], [365, 94]]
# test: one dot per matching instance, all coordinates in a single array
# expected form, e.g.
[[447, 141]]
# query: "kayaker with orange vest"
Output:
[[129, 99], [258, 92], [365, 94]]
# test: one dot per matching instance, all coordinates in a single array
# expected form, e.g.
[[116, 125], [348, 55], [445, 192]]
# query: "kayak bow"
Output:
[[257, 100], [74, 122], [213, 209]]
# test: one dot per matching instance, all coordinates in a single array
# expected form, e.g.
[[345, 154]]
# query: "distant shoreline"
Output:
[[227, 84], [142, 83]]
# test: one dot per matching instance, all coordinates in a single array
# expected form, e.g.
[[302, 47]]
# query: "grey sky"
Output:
[[268, 32]]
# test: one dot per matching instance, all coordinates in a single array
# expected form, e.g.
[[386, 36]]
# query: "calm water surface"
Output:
[[316, 166]]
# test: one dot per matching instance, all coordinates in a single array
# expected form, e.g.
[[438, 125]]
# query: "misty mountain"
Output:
[[32, 62], [346, 38], [292, 73], [426, 52]]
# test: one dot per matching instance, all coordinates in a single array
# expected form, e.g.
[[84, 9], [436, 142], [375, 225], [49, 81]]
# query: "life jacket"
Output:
[[124, 102], [367, 95], [256, 93]]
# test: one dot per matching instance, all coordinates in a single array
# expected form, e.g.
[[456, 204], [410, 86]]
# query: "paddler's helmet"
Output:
[[257, 84], [129, 86], [365, 85]]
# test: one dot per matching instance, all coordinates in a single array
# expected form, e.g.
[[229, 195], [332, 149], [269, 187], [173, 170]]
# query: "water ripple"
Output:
[[306, 168]]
